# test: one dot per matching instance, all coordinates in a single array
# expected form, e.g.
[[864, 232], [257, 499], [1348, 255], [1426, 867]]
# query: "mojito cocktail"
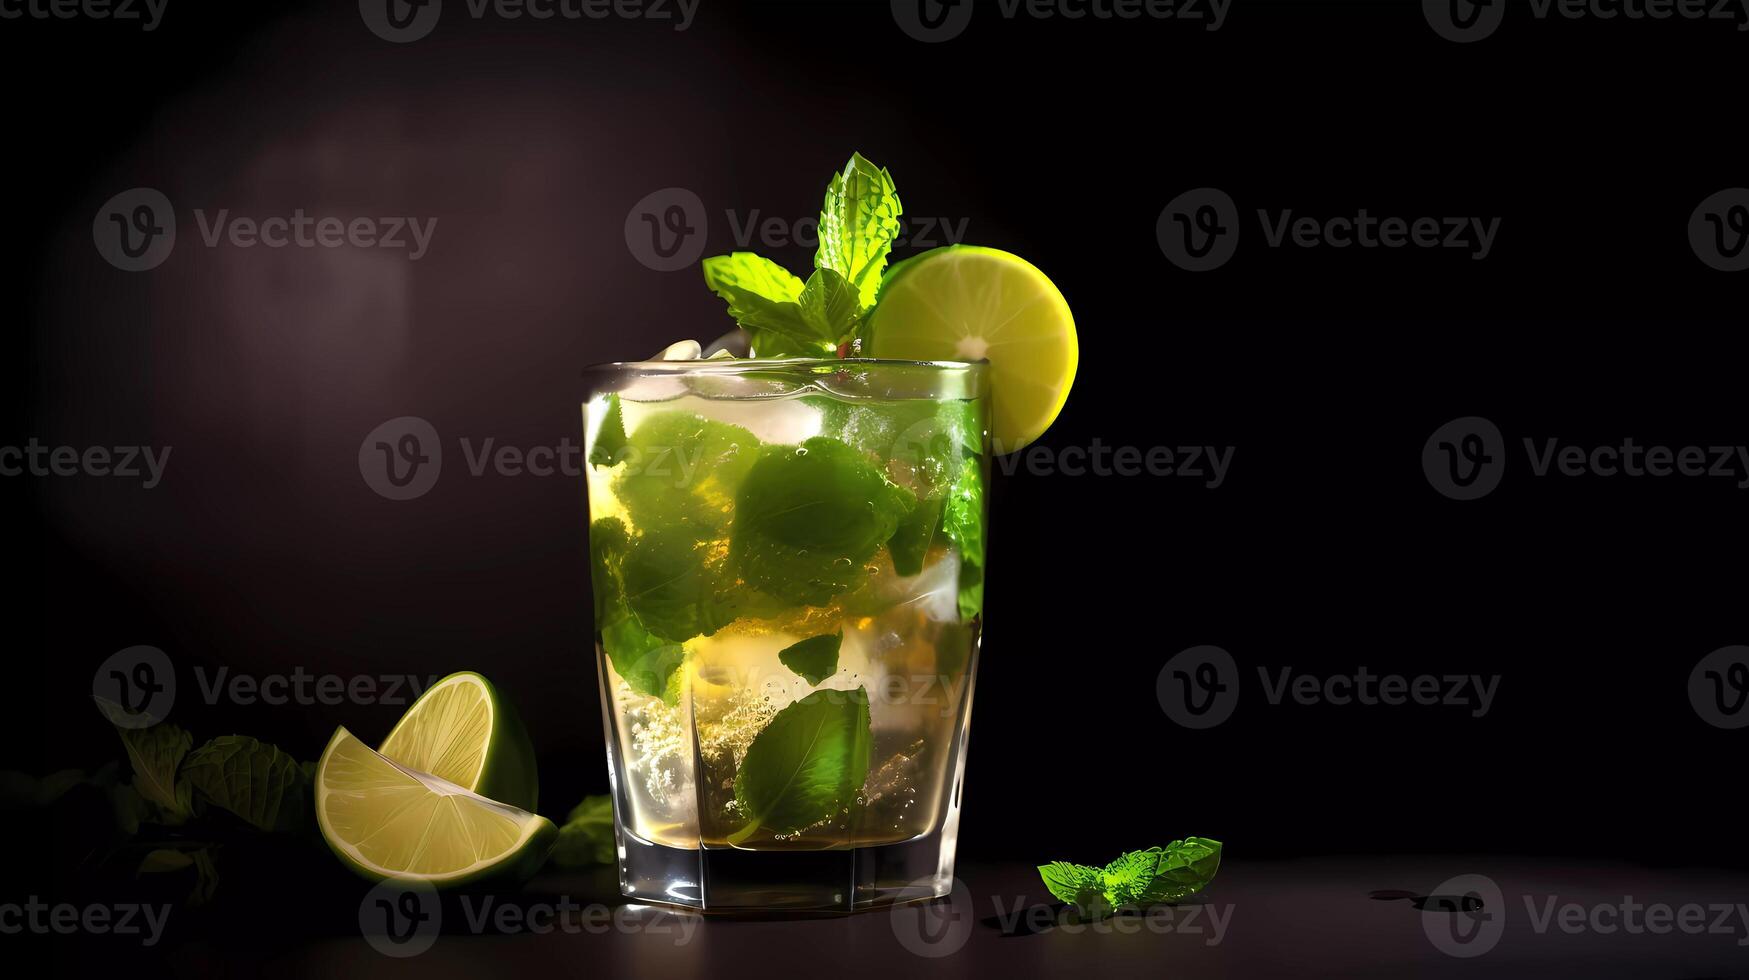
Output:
[[788, 565], [787, 540]]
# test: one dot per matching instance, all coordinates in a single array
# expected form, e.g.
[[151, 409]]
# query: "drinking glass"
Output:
[[787, 559]]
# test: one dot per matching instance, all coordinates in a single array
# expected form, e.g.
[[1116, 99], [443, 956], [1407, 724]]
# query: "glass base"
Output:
[[839, 880]]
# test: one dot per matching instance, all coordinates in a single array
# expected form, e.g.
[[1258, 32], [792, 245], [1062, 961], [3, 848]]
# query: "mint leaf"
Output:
[[610, 439], [1185, 867], [586, 838], [1138, 879], [765, 300], [806, 765], [857, 226], [668, 588], [249, 778], [808, 519], [647, 663], [962, 521], [815, 658], [1074, 884], [682, 471], [830, 305], [155, 753], [608, 544], [910, 543]]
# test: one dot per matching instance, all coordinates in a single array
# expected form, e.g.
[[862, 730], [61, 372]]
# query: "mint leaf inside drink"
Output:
[[669, 588], [809, 518], [962, 522], [806, 765], [645, 661], [815, 658], [610, 439], [682, 471]]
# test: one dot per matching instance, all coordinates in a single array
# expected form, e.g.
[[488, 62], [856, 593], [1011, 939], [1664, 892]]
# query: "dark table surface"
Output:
[[1370, 916]]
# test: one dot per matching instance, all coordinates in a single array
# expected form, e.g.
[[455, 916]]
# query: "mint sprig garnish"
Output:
[[1136, 880], [787, 317]]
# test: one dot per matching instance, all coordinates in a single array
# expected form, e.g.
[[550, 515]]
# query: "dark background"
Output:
[[1326, 549]]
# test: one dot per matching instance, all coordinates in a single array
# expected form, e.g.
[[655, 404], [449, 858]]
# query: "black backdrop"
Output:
[[1325, 549]]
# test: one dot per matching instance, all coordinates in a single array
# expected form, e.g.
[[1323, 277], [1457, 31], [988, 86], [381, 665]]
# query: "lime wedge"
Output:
[[967, 303], [385, 820], [463, 732]]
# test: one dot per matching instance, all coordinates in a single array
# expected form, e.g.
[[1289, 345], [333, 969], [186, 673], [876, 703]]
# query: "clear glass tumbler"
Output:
[[787, 559]]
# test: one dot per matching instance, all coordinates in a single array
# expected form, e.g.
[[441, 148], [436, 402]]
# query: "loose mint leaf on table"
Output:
[[249, 778], [765, 300], [1185, 867], [815, 658], [155, 753], [858, 223], [682, 471], [1075, 884], [1137, 879], [962, 521], [610, 439], [806, 765], [586, 838], [808, 519]]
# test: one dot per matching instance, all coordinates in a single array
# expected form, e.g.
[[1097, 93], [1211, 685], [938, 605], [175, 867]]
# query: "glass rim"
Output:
[[738, 365]]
